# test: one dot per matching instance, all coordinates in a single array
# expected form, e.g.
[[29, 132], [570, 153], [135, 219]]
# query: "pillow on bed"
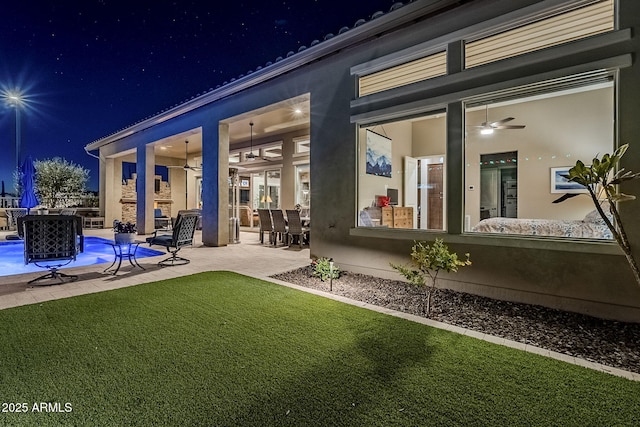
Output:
[[594, 215]]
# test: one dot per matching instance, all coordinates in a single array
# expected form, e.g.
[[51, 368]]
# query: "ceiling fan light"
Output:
[[486, 131]]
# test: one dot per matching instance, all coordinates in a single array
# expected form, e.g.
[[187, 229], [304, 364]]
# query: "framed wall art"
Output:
[[378, 154], [561, 184]]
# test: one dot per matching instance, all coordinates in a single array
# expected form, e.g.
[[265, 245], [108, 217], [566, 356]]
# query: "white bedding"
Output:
[[591, 227]]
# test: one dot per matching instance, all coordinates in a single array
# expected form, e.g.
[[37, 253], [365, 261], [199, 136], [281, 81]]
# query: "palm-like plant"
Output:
[[601, 180]]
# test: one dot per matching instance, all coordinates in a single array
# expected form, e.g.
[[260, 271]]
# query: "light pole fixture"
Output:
[[15, 99]]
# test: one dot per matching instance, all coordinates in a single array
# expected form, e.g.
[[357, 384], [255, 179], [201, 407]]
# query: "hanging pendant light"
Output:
[[250, 155]]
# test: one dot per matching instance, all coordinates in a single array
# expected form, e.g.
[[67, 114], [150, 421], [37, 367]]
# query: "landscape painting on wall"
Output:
[[378, 154], [560, 182]]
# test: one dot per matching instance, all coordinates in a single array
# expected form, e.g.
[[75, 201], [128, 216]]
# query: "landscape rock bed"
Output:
[[611, 343]]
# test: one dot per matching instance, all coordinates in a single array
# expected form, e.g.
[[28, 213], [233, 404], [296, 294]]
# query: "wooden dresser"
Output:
[[393, 216]]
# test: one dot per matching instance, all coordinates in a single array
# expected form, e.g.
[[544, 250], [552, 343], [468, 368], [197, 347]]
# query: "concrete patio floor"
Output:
[[249, 257]]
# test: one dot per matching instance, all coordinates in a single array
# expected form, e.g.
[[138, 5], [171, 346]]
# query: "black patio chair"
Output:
[[181, 235], [51, 242]]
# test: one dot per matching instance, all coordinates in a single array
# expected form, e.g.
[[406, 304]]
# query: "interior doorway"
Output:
[[499, 185], [432, 193]]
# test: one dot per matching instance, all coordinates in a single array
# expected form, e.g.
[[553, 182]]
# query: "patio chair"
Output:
[[266, 225], [68, 211], [161, 221], [51, 242], [12, 216], [295, 227], [4, 221], [181, 235], [279, 227]]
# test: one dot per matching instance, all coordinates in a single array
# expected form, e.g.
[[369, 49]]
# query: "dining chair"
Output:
[[266, 225], [295, 227], [279, 227]]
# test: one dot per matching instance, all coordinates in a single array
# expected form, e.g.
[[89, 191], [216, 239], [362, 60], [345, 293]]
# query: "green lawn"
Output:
[[221, 349]]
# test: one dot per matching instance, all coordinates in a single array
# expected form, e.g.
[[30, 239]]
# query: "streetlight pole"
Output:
[[17, 101]]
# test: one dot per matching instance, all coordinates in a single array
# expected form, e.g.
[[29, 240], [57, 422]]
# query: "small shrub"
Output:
[[322, 269], [122, 227], [426, 262]]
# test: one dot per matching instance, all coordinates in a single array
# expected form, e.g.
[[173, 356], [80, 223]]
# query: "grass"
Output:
[[227, 350]]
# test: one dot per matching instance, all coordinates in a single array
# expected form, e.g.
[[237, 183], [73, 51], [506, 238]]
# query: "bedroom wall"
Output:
[[430, 136], [415, 138], [559, 131], [371, 185]]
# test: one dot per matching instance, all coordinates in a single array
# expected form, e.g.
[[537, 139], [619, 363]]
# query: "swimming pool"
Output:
[[96, 251]]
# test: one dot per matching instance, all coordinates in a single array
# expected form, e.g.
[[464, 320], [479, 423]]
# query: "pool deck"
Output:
[[249, 257]]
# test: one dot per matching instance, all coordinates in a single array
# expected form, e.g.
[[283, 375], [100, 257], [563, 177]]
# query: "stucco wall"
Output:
[[586, 277], [589, 278]]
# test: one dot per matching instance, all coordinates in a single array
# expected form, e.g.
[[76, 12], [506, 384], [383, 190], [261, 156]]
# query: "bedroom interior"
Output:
[[507, 171], [512, 168]]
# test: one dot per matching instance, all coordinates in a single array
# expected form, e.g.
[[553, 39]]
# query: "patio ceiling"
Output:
[[270, 121]]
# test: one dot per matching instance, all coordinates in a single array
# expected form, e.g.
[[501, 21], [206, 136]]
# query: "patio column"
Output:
[[145, 170], [110, 197], [103, 173], [215, 185]]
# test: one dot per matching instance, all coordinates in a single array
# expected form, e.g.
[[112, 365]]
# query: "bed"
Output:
[[590, 227]]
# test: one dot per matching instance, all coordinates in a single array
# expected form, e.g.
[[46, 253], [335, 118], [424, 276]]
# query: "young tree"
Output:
[[426, 262], [58, 180], [601, 180]]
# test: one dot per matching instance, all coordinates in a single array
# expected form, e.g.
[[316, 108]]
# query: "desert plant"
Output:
[[58, 180], [426, 262], [601, 180], [323, 269]]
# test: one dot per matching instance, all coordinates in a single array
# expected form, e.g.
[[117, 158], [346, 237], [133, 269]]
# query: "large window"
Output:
[[401, 174], [303, 186], [266, 189], [518, 146]]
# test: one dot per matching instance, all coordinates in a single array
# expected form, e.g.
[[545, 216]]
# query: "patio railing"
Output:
[[9, 202], [63, 201]]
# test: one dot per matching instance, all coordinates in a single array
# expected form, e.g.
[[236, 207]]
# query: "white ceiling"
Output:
[[277, 119]]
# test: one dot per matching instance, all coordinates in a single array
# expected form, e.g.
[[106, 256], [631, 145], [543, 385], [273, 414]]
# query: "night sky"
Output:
[[89, 68]]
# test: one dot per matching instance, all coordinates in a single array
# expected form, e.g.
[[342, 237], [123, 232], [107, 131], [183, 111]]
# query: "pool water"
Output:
[[96, 251]]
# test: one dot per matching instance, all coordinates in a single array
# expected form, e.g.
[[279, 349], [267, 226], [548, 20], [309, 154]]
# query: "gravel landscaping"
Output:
[[615, 344]]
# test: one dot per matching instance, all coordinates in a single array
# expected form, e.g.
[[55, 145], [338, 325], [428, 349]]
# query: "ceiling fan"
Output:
[[487, 127], [186, 166]]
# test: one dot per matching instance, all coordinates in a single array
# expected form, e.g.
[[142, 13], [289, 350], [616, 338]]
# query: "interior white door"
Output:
[[411, 186]]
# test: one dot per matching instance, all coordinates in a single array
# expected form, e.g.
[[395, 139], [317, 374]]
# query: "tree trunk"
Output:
[[618, 232]]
